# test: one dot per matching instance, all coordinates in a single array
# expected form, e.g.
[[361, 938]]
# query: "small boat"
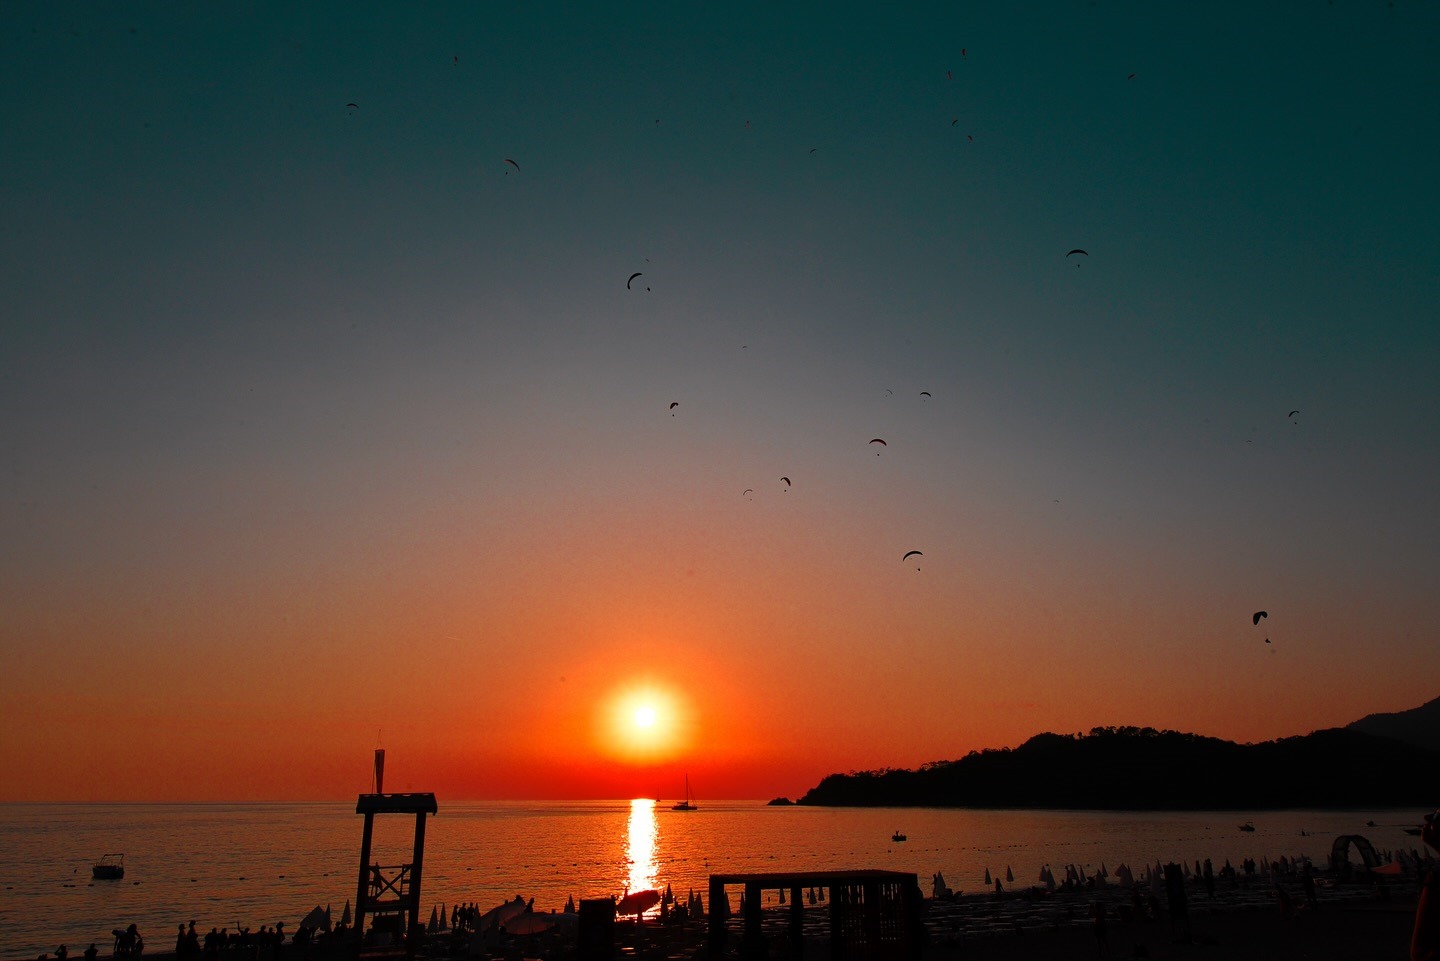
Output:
[[897, 836], [1413, 832], [1247, 826], [109, 868], [685, 805]]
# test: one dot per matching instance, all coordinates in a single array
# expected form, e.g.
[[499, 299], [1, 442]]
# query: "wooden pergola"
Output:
[[874, 915]]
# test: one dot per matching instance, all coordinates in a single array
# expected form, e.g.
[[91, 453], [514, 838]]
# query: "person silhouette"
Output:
[[1425, 941]]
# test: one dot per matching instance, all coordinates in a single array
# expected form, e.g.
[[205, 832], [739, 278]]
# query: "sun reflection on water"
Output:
[[641, 849]]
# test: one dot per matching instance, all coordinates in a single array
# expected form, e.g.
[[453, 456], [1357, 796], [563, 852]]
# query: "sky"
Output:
[[329, 419]]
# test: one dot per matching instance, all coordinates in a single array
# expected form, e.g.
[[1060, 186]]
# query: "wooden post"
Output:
[[797, 922], [716, 938], [363, 888], [417, 929]]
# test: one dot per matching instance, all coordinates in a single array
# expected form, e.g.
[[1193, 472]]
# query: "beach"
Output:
[[1357, 925]]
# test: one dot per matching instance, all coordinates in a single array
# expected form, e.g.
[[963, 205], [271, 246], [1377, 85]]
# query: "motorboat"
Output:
[[111, 867]]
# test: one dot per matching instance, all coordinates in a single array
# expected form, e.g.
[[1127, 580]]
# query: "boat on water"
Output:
[[687, 804], [111, 867], [1247, 826], [897, 836]]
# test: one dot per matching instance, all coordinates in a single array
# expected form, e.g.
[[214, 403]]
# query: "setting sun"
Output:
[[644, 723]]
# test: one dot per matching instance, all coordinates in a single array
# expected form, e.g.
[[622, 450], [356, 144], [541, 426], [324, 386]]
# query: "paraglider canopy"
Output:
[[1255, 618], [1077, 250], [632, 277], [910, 554]]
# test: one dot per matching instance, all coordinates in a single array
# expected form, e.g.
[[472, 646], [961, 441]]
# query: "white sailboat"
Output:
[[685, 805]]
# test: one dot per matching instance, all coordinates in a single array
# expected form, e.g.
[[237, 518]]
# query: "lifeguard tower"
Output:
[[390, 894]]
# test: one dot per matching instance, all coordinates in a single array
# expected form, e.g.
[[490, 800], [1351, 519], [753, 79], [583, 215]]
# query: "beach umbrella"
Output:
[[345, 918], [315, 920], [638, 902], [434, 924], [987, 877], [570, 904], [441, 925], [782, 895], [1103, 873], [527, 922], [497, 916], [822, 894], [1009, 875], [327, 919]]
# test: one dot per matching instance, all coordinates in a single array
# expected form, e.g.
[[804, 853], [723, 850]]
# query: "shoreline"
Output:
[[1245, 922]]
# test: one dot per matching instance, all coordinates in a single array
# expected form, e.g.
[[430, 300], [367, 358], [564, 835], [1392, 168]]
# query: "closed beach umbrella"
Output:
[[1009, 875], [442, 917], [327, 918], [570, 904], [434, 924], [345, 918], [987, 877], [782, 895]]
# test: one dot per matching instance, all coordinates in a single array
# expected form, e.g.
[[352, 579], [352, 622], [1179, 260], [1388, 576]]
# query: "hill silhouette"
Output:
[[1129, 768], [1419, 726]]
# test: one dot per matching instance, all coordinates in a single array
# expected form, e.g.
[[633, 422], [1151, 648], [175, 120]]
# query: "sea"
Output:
[[233, 865]]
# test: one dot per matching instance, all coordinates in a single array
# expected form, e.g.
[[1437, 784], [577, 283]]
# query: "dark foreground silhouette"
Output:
[[1131, 768]]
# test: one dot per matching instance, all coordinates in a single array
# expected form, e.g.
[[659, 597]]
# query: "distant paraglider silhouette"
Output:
[[881, 443], [787, 482], [632, 277], [513, 164], [1255, 618], [1077, 250], [910, 554], [673, 404]]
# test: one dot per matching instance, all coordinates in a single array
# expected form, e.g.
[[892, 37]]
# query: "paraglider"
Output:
[[1255, 618], [748, 490], [924, 393], [787, 482], [1131, 77], [353, 106], [1292, 413], [1077, 250], [632, 277], [881, 443], [673, 404], [910, 554], [513, 164]]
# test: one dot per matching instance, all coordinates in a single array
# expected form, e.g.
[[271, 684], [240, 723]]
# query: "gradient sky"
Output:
[[323, 421]]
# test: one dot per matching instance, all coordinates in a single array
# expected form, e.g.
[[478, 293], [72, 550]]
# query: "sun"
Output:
[[643, 722]]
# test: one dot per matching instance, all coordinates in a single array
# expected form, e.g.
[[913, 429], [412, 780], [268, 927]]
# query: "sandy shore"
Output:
[[1349, 933], [1359, 927]]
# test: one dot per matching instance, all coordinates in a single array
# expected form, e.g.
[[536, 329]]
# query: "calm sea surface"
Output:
[[252, 864]]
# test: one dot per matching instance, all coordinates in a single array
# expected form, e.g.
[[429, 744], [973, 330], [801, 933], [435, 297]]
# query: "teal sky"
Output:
[[340, 378]]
